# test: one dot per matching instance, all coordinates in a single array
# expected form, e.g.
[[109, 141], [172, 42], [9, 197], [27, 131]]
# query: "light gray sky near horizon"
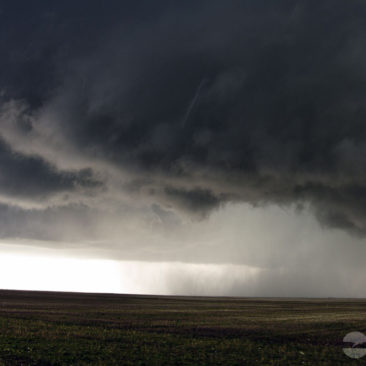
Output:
[[238, 251]]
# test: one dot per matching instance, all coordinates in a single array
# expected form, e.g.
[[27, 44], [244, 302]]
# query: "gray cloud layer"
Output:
[[182, 107]]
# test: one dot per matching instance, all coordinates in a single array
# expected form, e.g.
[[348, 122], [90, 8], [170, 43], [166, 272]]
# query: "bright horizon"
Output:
[[54, 272]]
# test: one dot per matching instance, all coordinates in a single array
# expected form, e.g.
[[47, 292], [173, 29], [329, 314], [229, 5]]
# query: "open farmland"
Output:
[[45, 328]]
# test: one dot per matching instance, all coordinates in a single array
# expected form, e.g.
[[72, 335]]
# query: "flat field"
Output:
[[45, 328]]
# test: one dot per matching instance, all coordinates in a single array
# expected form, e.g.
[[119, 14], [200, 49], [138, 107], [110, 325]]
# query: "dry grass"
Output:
[[39, 328]]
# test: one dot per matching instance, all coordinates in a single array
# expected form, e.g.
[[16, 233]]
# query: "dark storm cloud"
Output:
[[196, 200], [33, 177], [258, 100]]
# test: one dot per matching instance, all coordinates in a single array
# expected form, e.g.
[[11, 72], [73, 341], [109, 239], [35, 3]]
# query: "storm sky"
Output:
[[216, 146]]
